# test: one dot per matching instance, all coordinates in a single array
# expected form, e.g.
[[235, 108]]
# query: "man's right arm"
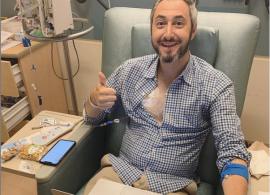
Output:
[[101, 98]]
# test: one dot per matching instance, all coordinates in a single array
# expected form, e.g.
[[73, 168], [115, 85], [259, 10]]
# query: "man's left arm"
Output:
[[235, 184], [229, 139]]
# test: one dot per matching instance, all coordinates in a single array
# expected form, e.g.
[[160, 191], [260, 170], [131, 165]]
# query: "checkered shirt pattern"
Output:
[[201, 99]]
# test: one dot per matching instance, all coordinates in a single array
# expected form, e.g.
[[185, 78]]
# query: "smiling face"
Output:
[[172, 30]]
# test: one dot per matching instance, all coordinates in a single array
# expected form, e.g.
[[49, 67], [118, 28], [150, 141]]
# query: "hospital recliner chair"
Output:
[[226, 40]]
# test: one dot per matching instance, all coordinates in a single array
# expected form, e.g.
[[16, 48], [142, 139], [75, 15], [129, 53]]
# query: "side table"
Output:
[[15, 180]]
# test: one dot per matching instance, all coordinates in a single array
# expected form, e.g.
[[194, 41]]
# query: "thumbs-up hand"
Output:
[[103, 97], [102, 78]]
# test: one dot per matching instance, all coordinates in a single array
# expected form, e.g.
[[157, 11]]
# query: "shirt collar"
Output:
[[151, 72]]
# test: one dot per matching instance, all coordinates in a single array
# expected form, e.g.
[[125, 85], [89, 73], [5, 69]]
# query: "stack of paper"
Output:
[[5, 35], [7, 43], [259, 164], [9, 28], [105, 187]]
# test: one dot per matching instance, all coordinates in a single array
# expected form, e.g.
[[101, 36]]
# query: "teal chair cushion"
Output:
[[206, 189], [81, 191], [204, 45]]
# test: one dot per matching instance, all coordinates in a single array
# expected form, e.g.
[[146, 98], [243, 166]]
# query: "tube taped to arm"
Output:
[[234, 169]]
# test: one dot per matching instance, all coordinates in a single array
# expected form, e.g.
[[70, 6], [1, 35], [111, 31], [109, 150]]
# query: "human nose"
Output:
[[169, 32]]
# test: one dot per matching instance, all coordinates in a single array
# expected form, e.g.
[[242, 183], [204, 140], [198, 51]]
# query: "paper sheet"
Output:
[[263, 193], [104, 186], [260, 162], [12, 24], [8, 44], [27, 166], [5, 35]]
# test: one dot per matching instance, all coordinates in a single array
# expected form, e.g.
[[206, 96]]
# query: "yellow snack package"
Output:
[[8, 153], [32, 152]]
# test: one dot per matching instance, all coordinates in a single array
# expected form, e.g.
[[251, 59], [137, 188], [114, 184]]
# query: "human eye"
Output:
[[160, 23], [178, 23]]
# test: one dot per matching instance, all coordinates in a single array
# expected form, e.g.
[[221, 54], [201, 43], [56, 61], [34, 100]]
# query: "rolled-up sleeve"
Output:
[[114, 81], [226, 127]]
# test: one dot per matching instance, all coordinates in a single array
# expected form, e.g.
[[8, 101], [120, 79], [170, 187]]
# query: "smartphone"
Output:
[[57, 152]]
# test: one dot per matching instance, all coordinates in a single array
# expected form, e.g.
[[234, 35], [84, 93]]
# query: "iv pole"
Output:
[[64, 39]]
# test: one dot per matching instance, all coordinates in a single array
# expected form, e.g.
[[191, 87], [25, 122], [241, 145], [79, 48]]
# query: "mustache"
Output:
[[172, 40]]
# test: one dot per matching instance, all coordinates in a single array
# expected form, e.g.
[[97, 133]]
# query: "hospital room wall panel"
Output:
[[255, 115], [89, 53]]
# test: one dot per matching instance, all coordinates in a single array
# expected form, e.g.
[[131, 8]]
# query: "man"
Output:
[[173, 100]]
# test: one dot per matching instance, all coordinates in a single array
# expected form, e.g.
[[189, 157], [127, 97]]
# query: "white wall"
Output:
[[255, 115], [89, 52]]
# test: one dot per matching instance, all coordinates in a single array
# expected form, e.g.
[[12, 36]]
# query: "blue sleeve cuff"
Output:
[[235, 169]]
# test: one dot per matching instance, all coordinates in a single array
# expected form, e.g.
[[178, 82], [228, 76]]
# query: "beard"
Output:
[[169, 57]]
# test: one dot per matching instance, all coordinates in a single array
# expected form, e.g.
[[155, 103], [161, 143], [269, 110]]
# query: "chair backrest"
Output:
[[228, 41]]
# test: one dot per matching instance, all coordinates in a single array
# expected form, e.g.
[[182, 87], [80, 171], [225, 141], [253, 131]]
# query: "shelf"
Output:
[[17, 74], [17, 113]]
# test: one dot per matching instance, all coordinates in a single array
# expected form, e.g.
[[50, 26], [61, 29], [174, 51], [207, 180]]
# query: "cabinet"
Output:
[[29, 74]]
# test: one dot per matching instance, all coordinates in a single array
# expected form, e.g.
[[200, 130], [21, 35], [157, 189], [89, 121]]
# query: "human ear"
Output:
[[193, 31]]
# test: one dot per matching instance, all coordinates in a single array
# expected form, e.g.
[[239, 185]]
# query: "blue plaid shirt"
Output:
[[199, 100]]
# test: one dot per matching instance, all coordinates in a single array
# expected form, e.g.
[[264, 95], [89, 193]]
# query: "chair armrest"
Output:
[[77, 167]]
